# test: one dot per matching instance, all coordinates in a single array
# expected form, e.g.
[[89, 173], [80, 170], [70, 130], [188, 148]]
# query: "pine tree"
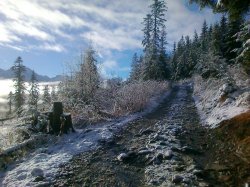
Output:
[[223, 32], [158, 12], [174, 61], [231, 42], [140, 68], [178, 59], [19, 84], [216, 40], [188, 42], [209, 33], [10, 102], [181, 46], [204, 36], [154, 64], [189, 56], [53, 94], [163, 41], [196, 39], [33, 92], [146, 42], [135, 74], [243, 52], [46, 96], [196, 49], [164, 61], [89, 76]]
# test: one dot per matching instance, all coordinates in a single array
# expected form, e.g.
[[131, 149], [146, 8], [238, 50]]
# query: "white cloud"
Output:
[[17, 48], [57, 25], [111, 68], [29, 30], [110, 64], [37, 13], [6, 36], [117, 39], [24, 18], [52, 47]]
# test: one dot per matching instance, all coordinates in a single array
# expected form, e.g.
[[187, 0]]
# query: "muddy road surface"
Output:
[[165, 148]]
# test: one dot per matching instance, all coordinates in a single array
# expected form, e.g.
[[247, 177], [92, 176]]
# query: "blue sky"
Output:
[[50, 34]]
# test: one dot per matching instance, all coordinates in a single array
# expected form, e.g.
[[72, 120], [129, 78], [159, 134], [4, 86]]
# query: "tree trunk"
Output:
[[66, 124]]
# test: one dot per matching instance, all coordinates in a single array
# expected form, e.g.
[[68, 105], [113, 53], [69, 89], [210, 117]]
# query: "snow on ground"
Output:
[[7, 138], [212, 107], [46, 161]]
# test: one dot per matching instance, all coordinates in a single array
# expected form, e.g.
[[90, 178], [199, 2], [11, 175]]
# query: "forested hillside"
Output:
[[210, 53]]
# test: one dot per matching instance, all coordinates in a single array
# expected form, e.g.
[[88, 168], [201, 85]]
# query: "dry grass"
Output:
[[117, 101], [136, 96]]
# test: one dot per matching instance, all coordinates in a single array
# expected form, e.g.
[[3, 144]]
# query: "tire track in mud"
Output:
[[164, 148]]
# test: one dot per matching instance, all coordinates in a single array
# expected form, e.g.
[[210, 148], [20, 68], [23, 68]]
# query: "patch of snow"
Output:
[[47, 161], [219, 114], [212, 110]]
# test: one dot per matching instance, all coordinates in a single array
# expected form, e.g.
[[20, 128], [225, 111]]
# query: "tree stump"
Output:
[[66, 123], [57, 112]]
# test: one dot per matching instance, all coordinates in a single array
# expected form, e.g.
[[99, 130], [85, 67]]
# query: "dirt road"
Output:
[[165, 148]]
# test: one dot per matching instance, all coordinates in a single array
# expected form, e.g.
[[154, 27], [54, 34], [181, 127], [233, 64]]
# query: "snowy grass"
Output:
[[8, 137], [49, 159]]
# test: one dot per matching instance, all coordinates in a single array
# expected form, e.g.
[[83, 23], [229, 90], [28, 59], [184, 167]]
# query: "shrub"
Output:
[[114, 101], [134, 97]]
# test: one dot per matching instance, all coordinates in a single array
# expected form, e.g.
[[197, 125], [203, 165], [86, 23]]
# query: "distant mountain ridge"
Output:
[[8, 74]]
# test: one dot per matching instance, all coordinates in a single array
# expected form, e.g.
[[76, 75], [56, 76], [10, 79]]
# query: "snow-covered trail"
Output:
[[41, 166]]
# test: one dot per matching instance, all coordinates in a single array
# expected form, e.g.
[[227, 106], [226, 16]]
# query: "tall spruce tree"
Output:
[[231, 42], [10, 102], [164, 60], [53, 94], [216, 40], [89, 76], [135, 68], [19, 84], [243, 52], [154, 42], [158, 13], [223, 34], [46, 97], [204, 36], [33, 92], [146, 42], [174, 62]]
